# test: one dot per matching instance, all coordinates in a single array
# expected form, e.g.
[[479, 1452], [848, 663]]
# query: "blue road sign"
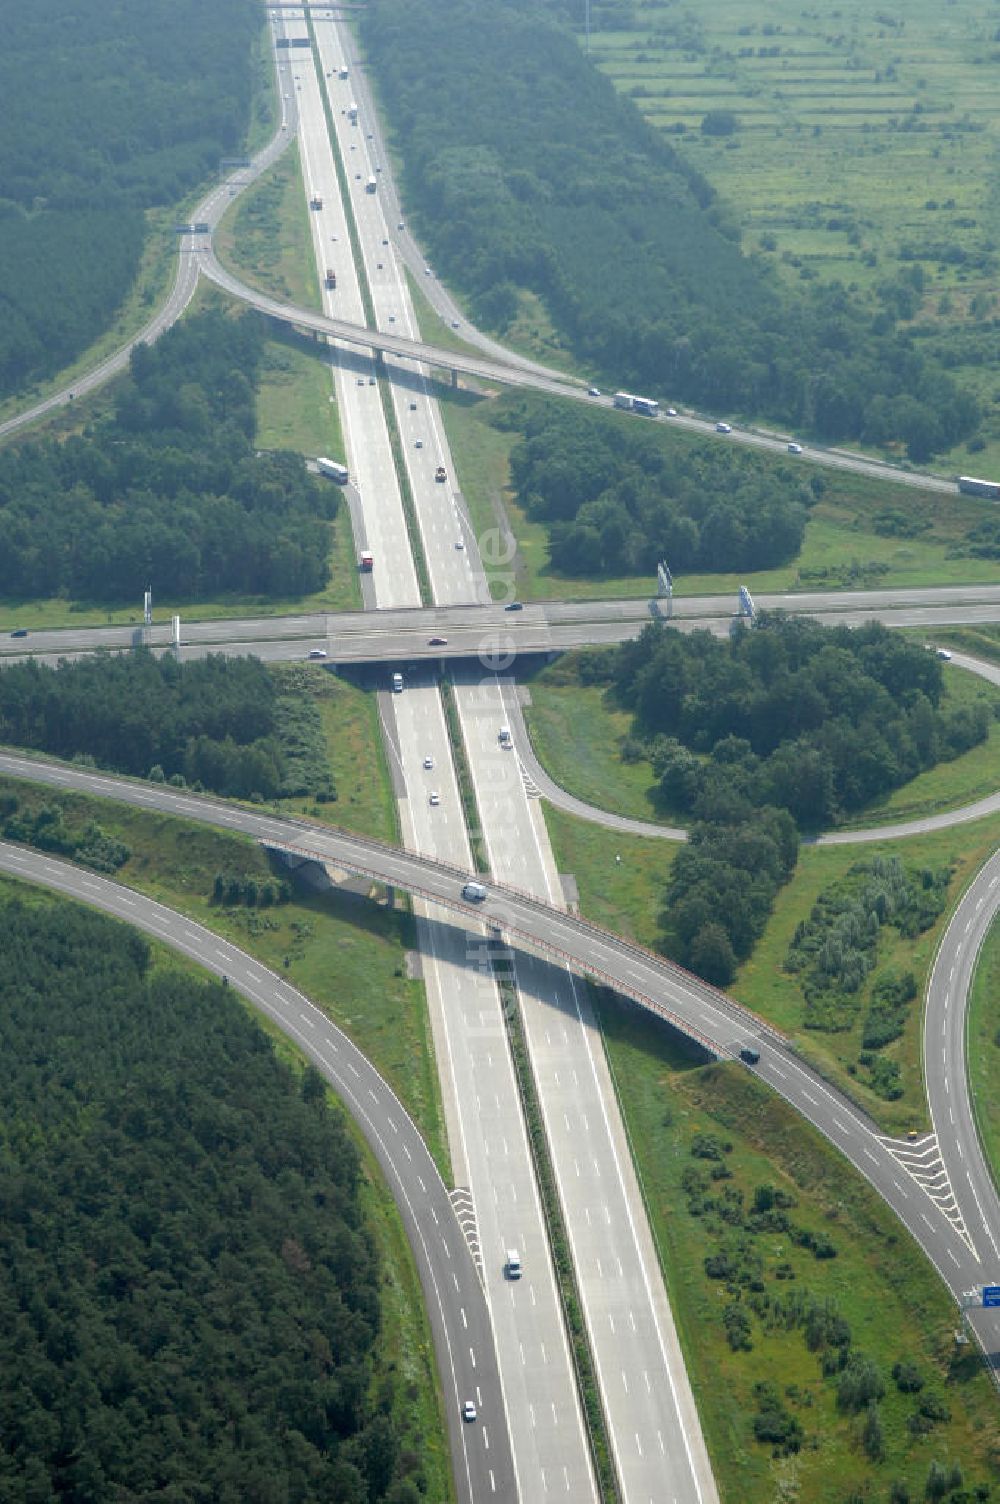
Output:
[[991, 1295]]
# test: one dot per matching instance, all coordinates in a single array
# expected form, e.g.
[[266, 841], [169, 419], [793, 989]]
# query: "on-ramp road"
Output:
[[454, 1296]]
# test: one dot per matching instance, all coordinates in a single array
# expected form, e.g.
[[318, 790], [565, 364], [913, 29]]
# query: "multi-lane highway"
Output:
[[652, 1421], [651, 1418], [454, 1296], [492, 633], [491, 1157]]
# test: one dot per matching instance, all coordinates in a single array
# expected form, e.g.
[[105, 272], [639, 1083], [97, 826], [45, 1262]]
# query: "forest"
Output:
[[525, 170], [168, 490], [119, 109], [190, 1293], [785, 726], [220, 723], [816, 720], [619, 497]]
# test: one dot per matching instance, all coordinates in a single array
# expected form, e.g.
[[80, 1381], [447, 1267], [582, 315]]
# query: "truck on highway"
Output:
[[367, 561], [969, 485], [352, 113], [315, 202], [474, 892], [645, 405], [332, 468], [342, 73], [330, 280], [371, 185]]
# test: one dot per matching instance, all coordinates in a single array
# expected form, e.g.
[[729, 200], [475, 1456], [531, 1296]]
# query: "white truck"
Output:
[[332, 468], [371, 185], [648, 406], [352, 113]]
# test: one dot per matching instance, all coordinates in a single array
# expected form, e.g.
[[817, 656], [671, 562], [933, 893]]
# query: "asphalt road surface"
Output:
[[490, 1152], [720, 1024], [472, 628], [454, 1296]]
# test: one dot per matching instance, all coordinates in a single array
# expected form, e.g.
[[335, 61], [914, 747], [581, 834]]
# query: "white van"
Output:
[[397, 684], [474, 892], [504, 738], [512, 1267]]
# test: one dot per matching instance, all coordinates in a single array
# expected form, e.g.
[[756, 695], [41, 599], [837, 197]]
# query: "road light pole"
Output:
[[586, 11]]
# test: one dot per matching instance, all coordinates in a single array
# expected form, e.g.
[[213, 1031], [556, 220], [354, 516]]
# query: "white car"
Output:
[[468, 1411], [317, 652], [723, 428], [593, 391], [671, 412], [435, 799], [428, 761], [418, 443], [459, 542], [795, 449], [944, 653]]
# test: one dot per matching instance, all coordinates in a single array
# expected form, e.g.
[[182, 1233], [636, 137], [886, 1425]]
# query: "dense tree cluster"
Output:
[[527, 170], [139, 103], [168, 491], [190, 1295], [217, 722], [722, 887], [816, 720], [620, 497], [46, 828]]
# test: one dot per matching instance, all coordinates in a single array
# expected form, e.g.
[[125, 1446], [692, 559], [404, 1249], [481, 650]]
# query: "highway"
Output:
[[507, 372], [466, 1008], [402, 631], [453, 1294], [651, 1417], [491, 1157], [964, 1256]]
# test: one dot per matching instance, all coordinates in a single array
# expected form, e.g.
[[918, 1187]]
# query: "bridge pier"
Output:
[[454, 378]]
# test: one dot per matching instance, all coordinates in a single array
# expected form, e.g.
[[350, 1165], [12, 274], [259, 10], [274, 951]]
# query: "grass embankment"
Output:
[[355, 753], [266, 236], [345, 952], [577, 734], [625, 896], [983, 1047], [859, 153], [881, 1285]]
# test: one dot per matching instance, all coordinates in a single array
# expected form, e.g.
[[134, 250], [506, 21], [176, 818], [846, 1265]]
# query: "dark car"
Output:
[[514, 606], [19, 632], [437, 642], [749, 1056]]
